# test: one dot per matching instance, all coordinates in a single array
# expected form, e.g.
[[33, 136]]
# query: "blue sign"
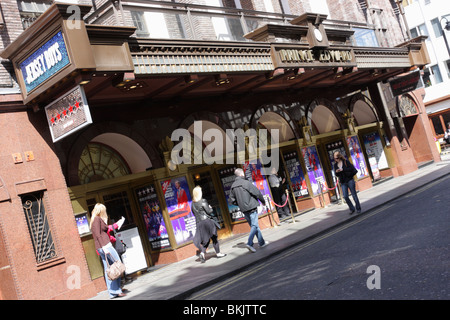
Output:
[[46, 61]]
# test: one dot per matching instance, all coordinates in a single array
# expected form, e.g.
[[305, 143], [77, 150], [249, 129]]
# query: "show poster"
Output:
[[153, 218], [314, 169], [253, 172], [375, 152], [227, 178], [82, 223], [357, 156], [178, 201], [296, 176]]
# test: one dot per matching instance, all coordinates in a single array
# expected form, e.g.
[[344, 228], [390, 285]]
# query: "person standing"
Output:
[[279, 194], [245, 195], [345, 172], [206, 227], [447, 134], [99, 229]]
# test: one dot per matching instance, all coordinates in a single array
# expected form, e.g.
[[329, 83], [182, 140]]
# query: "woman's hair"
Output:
[[197, 194], [339, 155], [100, 211]]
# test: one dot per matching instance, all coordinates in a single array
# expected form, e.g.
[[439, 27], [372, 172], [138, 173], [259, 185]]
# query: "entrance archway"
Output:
[[276, 117], [131, 146], [323, 117]]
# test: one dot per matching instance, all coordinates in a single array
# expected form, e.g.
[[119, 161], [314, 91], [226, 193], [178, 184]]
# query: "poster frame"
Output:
[[166, 211]]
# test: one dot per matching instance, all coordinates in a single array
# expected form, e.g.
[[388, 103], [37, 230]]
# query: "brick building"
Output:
[[88, 107]]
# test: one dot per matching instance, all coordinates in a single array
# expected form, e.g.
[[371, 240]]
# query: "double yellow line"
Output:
[[284, 255], [296, 249]]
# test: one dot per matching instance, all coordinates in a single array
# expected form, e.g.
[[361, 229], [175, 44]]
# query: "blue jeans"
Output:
[[252, 219], [113, 286], [352, 186]]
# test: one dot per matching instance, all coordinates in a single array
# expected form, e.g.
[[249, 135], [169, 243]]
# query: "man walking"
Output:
[[245, 195]]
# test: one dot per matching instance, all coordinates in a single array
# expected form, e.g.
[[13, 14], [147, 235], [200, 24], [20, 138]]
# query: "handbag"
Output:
[[115, 270]]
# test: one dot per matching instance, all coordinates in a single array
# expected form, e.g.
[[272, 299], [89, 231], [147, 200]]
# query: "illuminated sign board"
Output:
[[68, 114], [45, 62]]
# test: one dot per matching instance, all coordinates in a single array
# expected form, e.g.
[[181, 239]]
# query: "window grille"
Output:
[[38, 226]]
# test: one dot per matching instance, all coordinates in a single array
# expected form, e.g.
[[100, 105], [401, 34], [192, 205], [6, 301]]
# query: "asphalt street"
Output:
[[398, 251]]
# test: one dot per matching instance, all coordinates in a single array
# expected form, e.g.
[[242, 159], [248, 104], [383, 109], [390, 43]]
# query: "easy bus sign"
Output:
[[46, 61]]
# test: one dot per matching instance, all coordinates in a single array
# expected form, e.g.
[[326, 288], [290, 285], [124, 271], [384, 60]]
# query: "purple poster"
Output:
[[178, 201], [153, 217], [357, 156], [227, 178], [314, 169], [296, 175], [253, 172]]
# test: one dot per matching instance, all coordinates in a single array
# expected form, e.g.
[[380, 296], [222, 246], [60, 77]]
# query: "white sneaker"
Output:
[[220, 255], [266, 243], [250, 248]]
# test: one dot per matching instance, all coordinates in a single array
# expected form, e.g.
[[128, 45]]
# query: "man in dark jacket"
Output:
[[245, 195]]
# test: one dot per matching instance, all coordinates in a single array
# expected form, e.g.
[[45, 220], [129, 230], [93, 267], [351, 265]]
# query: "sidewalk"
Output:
[[176, 280]]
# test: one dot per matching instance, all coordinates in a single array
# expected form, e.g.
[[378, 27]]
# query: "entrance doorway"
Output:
[[204, 179], [118, 203]]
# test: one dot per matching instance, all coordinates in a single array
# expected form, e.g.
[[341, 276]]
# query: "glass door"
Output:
[[117, 203], [205, 180]]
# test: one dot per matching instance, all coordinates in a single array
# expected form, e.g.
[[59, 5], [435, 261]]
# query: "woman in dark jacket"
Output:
[[345, 172], [206, 226]]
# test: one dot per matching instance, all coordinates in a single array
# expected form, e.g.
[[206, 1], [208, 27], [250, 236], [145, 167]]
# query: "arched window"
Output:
[[100, 162]]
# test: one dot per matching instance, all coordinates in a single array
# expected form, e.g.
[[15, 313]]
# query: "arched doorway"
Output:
[[414, 129], [323, 117]]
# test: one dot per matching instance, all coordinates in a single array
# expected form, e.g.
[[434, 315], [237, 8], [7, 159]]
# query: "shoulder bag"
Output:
[[115, 270]]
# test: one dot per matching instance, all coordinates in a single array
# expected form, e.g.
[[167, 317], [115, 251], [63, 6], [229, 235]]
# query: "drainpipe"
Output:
[[405, 22]]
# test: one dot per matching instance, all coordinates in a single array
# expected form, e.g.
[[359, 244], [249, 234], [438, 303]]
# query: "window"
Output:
[[431, 76], [38, 226], [437, 125], [268, 5], [426, 77], [284, 4], [436, 27], [30, 10], [139, 23], [447, 66], [365, 37], [320, 6], [420, 30], [437, 74], [100, 162]]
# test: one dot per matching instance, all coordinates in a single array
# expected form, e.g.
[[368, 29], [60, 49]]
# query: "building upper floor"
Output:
[[375, 23], [431, 18]]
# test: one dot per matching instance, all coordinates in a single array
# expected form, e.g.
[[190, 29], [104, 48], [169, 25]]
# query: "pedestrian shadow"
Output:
[[240, 245]]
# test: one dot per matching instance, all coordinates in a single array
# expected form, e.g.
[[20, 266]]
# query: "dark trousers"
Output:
[[215, 244], [350, 185], [283, 212]]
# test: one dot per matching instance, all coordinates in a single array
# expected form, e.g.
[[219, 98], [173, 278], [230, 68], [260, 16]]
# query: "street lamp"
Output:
[[447, 27]]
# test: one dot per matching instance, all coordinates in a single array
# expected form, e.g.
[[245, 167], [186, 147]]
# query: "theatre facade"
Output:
[[99, 108]]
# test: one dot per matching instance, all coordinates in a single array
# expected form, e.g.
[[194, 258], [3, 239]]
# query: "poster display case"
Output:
[[151, 211], [178, 202]]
